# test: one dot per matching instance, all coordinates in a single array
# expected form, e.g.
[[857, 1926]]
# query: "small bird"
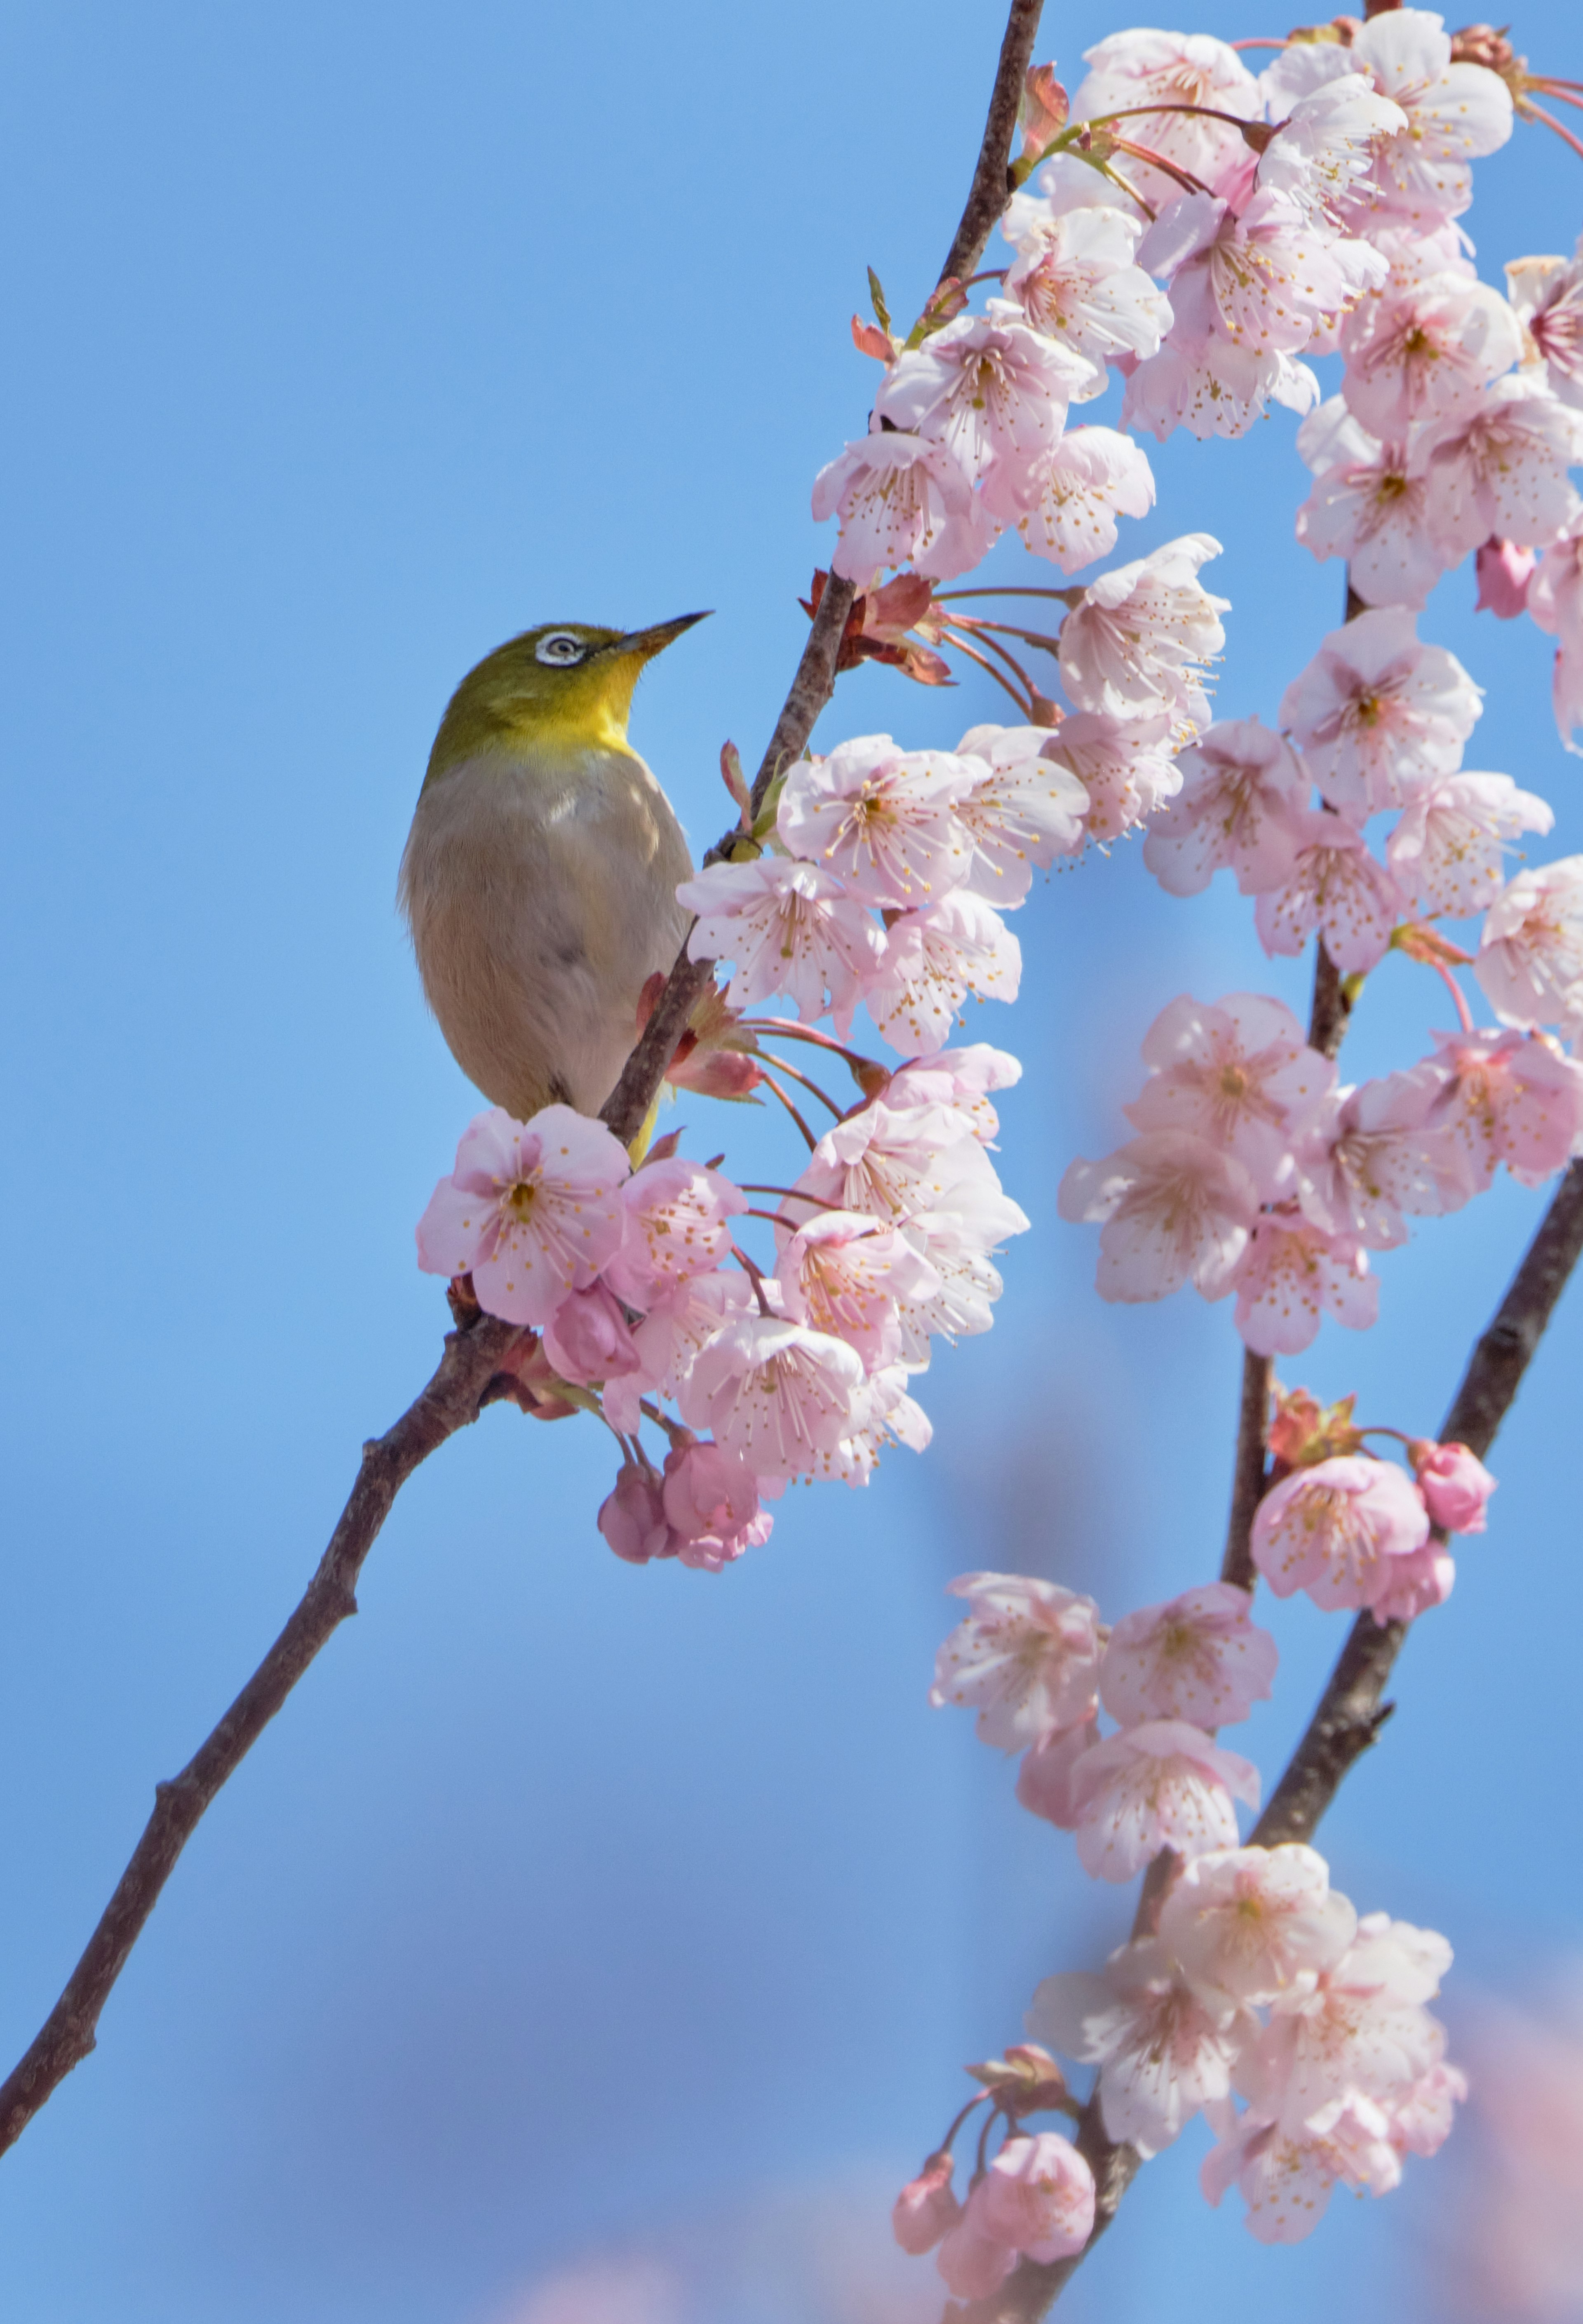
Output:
[[540, 876]]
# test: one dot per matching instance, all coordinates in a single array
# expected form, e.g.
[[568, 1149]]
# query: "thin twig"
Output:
[[453, 1397], [1247, 1475], [990, 191]]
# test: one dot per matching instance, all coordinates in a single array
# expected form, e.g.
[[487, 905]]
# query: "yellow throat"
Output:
[[567, 684]]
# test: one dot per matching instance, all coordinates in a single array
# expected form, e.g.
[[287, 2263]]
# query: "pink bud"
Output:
[[586, 1339], [1504, 572], [973, 2264], [1038, 2196], [926, 2207], [632, 1519], [1455, 1484], [710, 1500]]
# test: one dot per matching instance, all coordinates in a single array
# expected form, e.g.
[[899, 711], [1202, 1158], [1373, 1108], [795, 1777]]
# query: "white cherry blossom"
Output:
[[1160, 1785], [1372, 504], [1076, 281], [1362, 2031], [1326, 143], [1242, 789], [1234, 1073], [1139, 642], [1500, 469], [933, 958], [1548, 296], [1336, 886], [1426, 354], [1074, 495], [781, 1395], [1172, 1207], [1447, 850], [901, 501], [880, 818], [1140, 68], [1025, 810], [1026, 1658], [788, 928], [994, 391], [1531, 957], [1253, 1925], [1161, 2052], [1379, 715], [1124, 765], [1456, 112]]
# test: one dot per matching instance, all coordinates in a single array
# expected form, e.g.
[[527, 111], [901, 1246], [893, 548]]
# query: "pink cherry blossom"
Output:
[[1235, 1073], [1161, 2053], [710, 1500], [1414, 1585], [678, 1215], [843, 1274], [1198, 1658], [1132, 69], [1279, 278], [1377, 713], [1361, 2030], [588, 1338], [1503, 572], [1076, 281], [1509, 1097], [1025, 810], [1375, 1152], [1161, 1784], [1455, 111], [1531, 956], [881, 819], [1203, 381], [781, 1395], [1326, 143], [632, 1517], [1447, 849], [1501, 467], [1038, 2196], [933, 958], [1136, 644], [531, 1209], [897, 1164], [993, 392], [1288, 2180], [1427, 354], [1292, 1273], [1044, 1780], [1241, 791], [1548, 296], [788, 928], [889, 1417], [1028, 1657], [676, 1325], [972, 2263], [926, 2207], [961, 1078], [1422, 2121], [1455, 1484], [1372, 504], [1253, 1925], [1336, 886], [1336, 1529], [1123, 765], [1075, 493], [1174, 1208], [901, 501]]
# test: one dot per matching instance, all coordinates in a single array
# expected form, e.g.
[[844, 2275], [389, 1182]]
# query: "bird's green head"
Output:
[[567, 682]]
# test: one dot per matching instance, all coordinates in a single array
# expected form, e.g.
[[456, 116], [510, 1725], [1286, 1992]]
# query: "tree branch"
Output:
[[992, 187], [1248, 1472], [473, 1357]]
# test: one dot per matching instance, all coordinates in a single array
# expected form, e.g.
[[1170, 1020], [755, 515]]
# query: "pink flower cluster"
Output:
[[1036, 2197], [1352, 1531], [1254, 1172], [1035, 1662]]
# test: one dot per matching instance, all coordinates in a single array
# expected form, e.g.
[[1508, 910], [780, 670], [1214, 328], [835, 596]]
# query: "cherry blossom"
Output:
[[890, 1416], [972, 2263], [1447, 849], [1326, 143], [632, 1517], [881, 819], [1132, 69], [781, 1395], [1025, 810], [1555, 600], [1455, 1484], [789, 928], [843, 1274], [932, 960], [667, 1339], [1075, 493], [1241, 791], [1426, 354], [1076, 281], [1038, 2196], [1370, 1154], [1254, 1924], [1234, 1073], [1160, 1785], [1413, 1585], [1174, 1208], [1455, 111], [1028, 1657], [1531, 956], [1548, 296], [1136, 644], [1377, 713], [677, 1214], [1360, 2031], [1209, 383], [1044, 1780], [1502, 573], [1501, 468], [1293, 1273], [961, 1078], [1288, 2181], [901, 501], [992, 391], [710, 1500], [1372, 504], [588, 1339], [899, 1164], [1161, 2053], [1198, 1658], [926, 2207], [532, 1210], [1509, 1097], [1124, 766], [1334, 1530], [1336, 886]]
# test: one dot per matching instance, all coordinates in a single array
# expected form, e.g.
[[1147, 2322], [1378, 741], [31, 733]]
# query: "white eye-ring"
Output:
[[560, 647]]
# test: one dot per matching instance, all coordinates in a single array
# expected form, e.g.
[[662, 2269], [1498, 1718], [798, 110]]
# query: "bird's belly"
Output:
[[537, 915]]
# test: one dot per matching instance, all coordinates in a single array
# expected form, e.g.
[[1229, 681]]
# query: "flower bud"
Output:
[[1455, 1484], [632, 1519], [926, 2207]]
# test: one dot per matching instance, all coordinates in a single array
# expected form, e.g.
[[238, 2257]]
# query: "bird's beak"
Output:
[[646, 643]]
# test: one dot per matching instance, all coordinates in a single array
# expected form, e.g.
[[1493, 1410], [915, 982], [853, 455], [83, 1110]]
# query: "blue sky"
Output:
[[573, 1910]]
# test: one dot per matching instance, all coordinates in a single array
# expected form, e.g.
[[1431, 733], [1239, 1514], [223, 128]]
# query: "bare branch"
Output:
[[473, 1357], [1248, 1474], [991, 185], [1332, 1006]]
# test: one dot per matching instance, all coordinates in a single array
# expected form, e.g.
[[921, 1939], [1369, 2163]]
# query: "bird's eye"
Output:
[[559, 649]]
